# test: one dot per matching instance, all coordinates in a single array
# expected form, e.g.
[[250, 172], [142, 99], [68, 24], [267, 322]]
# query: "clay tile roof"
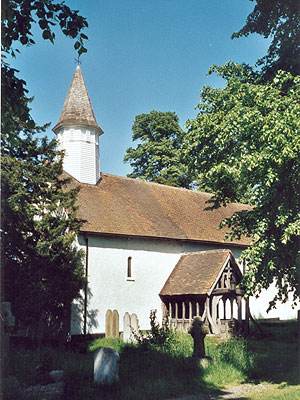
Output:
[[77, 108], [195, 273], [132, 207]]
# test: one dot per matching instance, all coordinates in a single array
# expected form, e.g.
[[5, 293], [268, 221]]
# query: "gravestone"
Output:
[[115, 324], [126, 327], [134, 327], [106, 366], [108, 323]]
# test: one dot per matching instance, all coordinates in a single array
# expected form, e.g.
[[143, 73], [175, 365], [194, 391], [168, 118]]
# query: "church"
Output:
[[147, 246]]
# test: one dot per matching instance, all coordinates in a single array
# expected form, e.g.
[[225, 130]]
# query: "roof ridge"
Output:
[[127, 206], [142, 181], [206, 251]]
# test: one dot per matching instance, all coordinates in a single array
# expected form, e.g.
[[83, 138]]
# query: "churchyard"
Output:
[[162, 367]]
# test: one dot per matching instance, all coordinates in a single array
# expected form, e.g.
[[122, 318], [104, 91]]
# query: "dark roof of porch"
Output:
[[195, 272]]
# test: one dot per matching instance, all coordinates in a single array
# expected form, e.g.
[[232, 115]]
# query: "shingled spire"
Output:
[[78, 133], [77, 108]]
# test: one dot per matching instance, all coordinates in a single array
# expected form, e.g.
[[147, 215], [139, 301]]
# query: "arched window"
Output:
[[129, 268]]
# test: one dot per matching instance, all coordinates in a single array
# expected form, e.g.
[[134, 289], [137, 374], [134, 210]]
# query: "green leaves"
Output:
[[39, 225], [158, 155], [280, 20], [245, 146], [17, 19], [42, 269]]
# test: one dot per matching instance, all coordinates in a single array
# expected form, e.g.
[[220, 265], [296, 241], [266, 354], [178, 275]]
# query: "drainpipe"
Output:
[[86, 284]]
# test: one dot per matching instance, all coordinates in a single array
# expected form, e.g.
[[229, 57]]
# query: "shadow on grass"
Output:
[[275, 362], [143, 375], [154, 374], [276, 355]]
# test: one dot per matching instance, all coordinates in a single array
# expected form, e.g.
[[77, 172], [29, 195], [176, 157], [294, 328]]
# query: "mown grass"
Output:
[[158, 373]]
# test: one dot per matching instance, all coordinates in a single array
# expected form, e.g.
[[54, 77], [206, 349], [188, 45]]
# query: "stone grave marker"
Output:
[[126, 327], [106, 366], [108, 323], [115, 324], [134, 327]]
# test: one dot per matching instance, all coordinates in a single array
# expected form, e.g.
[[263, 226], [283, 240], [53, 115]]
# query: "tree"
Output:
[[42, 269], [17, 17], [245, 143], [158, 156], [279, 19]]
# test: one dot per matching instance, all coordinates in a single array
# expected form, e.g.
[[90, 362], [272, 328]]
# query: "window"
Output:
[[129, 269]]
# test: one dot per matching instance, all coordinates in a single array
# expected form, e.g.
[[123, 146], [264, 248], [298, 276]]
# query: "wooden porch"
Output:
[[204, 284], [221, 312]]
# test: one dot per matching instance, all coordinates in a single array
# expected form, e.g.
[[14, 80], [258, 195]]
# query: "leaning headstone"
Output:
[[134, 327], [106, 366], [108, 323], [115, 324], [126, 327]]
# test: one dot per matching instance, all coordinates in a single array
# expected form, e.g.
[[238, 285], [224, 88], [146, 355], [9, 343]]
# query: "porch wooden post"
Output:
[[183, 310], [170, 310], [231, 308], [197, 309], [176, 311], [239, 301], [214, 328], [247, 310], [247, 316], [190, 311], [214, 304], [224, 308], [164, 310]]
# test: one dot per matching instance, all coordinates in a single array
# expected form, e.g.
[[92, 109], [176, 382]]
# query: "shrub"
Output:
[[114, 343], [159, 338]]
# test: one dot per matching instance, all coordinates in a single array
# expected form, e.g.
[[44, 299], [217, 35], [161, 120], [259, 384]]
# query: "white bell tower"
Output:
[[78, 133]]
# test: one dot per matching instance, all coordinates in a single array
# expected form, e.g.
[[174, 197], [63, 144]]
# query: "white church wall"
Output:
[[152, 261], [109, 287], [259, 306]]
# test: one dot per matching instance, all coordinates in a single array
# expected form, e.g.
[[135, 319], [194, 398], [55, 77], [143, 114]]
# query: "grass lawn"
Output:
[[158, 373]]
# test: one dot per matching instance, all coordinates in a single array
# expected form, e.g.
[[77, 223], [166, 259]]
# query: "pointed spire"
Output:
[[77, 109]]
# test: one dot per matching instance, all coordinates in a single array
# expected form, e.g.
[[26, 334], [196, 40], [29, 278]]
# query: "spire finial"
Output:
[[77, 61]]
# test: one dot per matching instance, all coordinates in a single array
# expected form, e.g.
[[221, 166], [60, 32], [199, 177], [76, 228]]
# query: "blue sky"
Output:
[[142, 55]]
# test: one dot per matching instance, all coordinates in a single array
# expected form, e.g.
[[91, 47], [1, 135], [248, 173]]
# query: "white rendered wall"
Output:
[[81, 146], [109, 288], [152, 263], [259, 306]]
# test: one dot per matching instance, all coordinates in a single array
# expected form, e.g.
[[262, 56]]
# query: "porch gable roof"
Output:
[[195, 273]]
